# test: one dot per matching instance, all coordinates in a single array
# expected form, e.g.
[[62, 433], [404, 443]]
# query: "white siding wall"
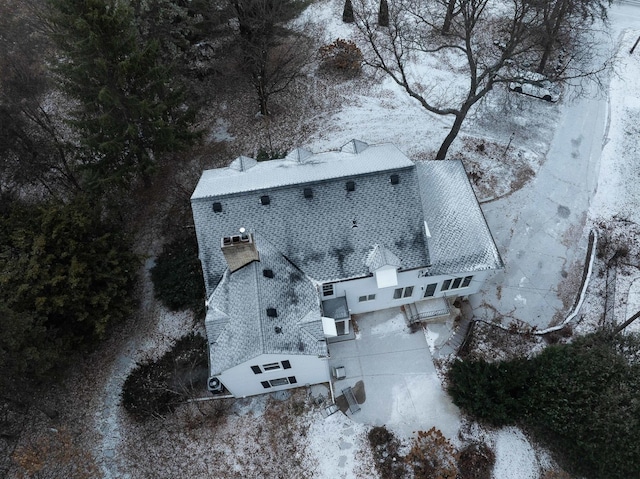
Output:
[[241, 381], [384, 297]]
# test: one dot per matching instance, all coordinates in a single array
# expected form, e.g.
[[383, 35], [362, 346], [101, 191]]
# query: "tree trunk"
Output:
[[446, 26], [626, 323], [453, 133], [548, 47]]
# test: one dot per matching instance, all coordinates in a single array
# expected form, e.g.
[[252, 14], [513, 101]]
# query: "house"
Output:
[[291, 248]]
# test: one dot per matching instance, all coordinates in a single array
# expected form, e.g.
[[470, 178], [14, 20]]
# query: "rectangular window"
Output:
[[456, 283], [327, 290], [292, 380], [431, 290], [271, 366], [265, 384], [368, 297], [286, 364], [256, 369], [279, 382], [403, 292]]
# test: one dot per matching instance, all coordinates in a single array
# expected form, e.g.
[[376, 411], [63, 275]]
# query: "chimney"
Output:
[[239, 251]]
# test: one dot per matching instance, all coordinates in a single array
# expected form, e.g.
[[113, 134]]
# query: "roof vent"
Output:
[[272, 313], [308, 193], [217, 207], [354, 146], [268, 273], [278, 330], [265, 200], [395, 179], [351, 186]]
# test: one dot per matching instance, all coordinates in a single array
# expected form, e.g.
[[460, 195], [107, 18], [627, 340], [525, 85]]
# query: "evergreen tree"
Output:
[[129, 111]]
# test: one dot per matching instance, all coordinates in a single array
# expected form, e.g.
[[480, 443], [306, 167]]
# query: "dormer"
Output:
[[383, 264]]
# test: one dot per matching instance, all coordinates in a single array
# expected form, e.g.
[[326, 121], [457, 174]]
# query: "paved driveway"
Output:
[[539, 230], [401, 386]]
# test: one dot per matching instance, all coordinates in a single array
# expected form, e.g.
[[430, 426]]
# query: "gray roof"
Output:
[[380, 256], [329, 235], [461, 240], [238, 327], [300, 166]]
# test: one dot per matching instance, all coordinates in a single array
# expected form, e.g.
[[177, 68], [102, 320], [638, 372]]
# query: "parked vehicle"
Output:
[[536, 85]]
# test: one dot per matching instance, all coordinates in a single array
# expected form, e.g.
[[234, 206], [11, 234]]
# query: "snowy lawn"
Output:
[[503, 144]]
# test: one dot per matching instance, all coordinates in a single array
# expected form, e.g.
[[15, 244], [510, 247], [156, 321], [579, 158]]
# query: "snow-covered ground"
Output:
[[263, 437]]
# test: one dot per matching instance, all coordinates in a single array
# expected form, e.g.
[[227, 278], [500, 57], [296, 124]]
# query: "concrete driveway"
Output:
[[401, 387], [540, 229]]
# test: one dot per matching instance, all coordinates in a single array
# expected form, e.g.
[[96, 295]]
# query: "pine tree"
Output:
[[129, 111]]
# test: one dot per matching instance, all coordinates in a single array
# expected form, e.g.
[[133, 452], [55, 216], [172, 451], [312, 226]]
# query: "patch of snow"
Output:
[[515, 457], [393, 325], [520, 298]]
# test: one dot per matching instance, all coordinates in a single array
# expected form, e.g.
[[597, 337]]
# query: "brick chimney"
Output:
[[239, 250]]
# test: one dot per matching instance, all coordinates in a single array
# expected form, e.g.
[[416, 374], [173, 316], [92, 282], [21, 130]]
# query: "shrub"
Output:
[[580, 399], [177, 275], [271, 154], [342, 57], [432, 456], [476, 461], [155, 388], [385, 445]]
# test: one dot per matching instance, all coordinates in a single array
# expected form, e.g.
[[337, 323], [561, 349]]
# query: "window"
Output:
[[286, 364], [279, 382], [456, 283], [431, 290], [368, 297], [327, 290], [265, 200], [403, 292], [271, 366], [217, 207], [265, 384], [292, 380], [351, 186], [308, 193], [256, 369]]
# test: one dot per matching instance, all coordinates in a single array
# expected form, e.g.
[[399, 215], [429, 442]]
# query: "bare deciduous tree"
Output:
[[489, 42], [415, 31], [273, 55]]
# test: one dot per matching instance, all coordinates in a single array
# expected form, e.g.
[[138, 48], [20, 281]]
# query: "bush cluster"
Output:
[[385, 447], [177, 275], [156, 388], [342, 57], [580, 399]]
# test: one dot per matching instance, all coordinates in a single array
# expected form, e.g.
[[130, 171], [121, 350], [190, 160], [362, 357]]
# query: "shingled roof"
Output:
[[239, 325], [323, 211], [461, 240]]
